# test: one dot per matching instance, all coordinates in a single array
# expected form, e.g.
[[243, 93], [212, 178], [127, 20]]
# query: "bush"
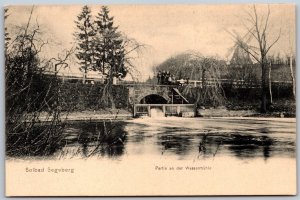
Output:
[[80, 97]]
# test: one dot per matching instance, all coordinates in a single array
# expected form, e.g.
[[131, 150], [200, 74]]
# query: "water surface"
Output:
[[182, 139]]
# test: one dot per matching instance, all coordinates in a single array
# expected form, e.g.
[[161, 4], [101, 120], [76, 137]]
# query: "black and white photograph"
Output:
[[150, 100]]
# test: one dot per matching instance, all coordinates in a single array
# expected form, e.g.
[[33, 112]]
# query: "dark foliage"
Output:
[[28, 92], [85, 39], [79, 97]]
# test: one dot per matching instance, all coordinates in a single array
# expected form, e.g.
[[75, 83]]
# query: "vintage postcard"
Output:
[[150, 100]]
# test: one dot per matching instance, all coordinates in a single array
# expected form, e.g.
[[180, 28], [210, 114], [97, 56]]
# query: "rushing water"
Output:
[[182, 138]]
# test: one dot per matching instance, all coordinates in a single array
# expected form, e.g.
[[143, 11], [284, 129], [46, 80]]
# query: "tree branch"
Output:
[[275, 41]]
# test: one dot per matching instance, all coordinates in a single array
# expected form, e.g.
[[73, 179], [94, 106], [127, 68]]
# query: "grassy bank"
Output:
[[279, 108], [88, 115], [108, 114]]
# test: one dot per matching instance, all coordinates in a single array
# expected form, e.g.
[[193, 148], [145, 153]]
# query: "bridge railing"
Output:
[[167, 109]]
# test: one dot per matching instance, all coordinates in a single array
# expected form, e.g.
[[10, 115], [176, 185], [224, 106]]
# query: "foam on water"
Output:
[[156, 113]]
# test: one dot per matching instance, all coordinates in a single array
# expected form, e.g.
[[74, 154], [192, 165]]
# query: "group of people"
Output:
[[166, 78]]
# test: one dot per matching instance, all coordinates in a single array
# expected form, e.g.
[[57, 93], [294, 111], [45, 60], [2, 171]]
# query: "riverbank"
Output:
[[207, 113], [123, 114], [105, 114], [223, 112]]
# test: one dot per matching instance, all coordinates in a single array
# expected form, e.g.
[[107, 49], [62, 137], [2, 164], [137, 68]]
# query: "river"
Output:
[[165, 156], [183, 138]]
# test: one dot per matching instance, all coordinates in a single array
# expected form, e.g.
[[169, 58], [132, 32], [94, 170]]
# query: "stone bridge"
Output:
[[153, 94]]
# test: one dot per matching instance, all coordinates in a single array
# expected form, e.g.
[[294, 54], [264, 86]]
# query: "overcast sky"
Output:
[[166, 29]]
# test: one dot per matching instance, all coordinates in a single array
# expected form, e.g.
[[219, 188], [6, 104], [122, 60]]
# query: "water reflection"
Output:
[[222, 137], [249, 145], [212, 144], [88, 139], [179, 138], [179, 144]]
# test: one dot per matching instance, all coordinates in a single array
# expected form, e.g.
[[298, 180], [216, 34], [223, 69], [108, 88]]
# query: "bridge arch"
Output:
[[153, 99]]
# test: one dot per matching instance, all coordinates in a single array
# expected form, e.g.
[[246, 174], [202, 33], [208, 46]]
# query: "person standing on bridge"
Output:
[[167, 78], [159, 77], [163, 78], [170, 80]]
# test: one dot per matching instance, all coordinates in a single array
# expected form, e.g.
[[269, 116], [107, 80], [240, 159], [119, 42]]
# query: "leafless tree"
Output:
[[210, 91], [290, 57], [292, 75], [258, 27], [133, 51], [61, 60], [32, 97]]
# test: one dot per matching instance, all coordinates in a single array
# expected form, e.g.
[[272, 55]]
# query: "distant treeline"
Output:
[[236, 95], [194, 67]]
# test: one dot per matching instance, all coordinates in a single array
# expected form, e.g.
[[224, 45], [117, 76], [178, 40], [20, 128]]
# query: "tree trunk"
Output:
[[83, 78], [103, 69], [270, 84], [264, 90], [109, 92], [203, 77], [113, 106], [84, 74], [293, 77]]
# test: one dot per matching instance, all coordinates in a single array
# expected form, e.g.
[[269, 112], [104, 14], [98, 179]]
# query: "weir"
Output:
[[181, 110]]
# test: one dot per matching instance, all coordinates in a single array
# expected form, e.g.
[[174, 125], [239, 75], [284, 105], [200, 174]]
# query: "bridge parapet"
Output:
[[138, 92]]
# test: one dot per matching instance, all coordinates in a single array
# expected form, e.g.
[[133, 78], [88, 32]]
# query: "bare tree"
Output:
[[292, 75], [32, 96], [61, 60], [211, 91], [193, 65], [133, 51], [290, 57], [258, 27]]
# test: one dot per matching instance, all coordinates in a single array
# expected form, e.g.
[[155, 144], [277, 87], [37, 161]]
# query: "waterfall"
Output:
[[156, 113]]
